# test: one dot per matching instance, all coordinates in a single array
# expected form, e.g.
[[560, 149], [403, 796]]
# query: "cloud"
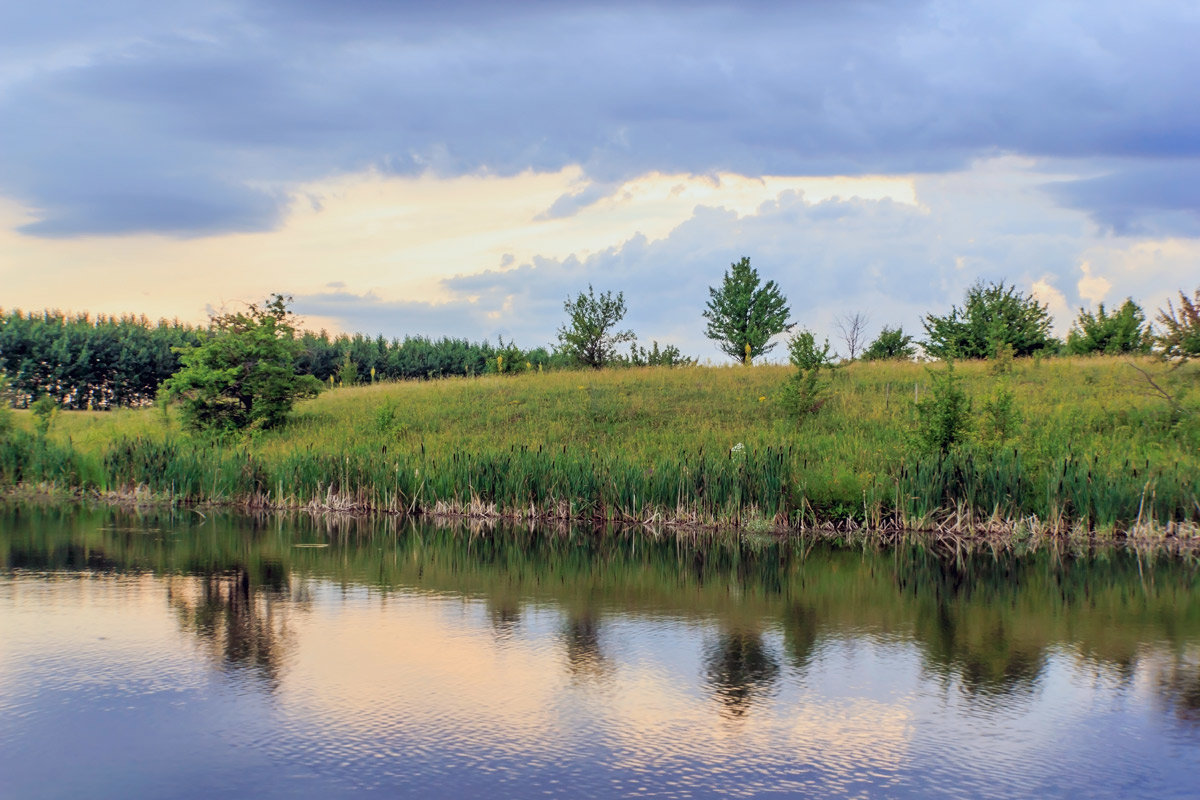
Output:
[[892, 261], [570, 204], [1140, 199], [186, 119]]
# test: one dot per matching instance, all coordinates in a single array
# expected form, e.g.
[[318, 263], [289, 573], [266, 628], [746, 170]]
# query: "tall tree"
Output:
[[743, 313], [588, 337], [243, 372], [992, 317]]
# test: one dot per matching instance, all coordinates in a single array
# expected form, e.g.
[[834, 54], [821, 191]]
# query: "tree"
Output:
[[743, 316], [1180, 337], [242, 374], [853, 328], [1123, 331], [891, 343], [992, 316], [588, 337]]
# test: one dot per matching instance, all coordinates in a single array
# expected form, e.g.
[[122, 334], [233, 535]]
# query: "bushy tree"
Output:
[[743, 313], [1180, 337], [242, 374], [1123, 331], [992, 315], [890, 343], [589, 337]]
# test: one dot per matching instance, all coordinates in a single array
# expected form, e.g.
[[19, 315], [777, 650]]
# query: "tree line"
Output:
[[84, 361], [101, 362], [995, 320]]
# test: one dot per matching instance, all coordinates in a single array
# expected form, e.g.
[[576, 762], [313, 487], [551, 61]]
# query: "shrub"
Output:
[[891, 343], [805, 390], [944, 416]]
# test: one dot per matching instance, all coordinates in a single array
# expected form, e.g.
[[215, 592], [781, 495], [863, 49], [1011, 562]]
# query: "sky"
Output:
[[462, 168]]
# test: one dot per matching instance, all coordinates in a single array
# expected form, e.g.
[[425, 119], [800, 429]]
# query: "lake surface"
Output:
[[182, 656]]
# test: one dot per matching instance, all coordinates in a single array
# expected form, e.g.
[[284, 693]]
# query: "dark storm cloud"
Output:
[[1142, 199], [189, 110]]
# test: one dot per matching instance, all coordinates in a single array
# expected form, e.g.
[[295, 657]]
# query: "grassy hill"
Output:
[[1088, 444]]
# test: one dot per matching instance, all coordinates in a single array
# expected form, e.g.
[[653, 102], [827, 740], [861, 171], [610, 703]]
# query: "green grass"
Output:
[[1092, 448]]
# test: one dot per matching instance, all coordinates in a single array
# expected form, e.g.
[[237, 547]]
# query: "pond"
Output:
[[181, 655]]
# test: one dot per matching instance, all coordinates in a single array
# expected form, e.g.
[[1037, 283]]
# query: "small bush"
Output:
[[805, 390], [944, 416]]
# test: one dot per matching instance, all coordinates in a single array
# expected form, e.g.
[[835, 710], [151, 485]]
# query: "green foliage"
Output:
[[1001, 362], [6, 413], [805, 390], [588, 337], [242, 374], [510, 359], [944, 415], [668, 356], [347, 374], [743, 316], [45, 408], [998, 418], [96, 362], [991, 316], [1180, 337], [891, 343], [1123, 331]]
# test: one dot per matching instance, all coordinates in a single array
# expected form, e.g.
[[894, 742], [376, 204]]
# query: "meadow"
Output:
[[1088, 446]]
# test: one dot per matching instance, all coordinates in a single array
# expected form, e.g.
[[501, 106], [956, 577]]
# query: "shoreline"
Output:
[[955, 528]]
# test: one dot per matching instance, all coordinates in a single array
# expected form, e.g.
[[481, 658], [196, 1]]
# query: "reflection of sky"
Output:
[[416, 694]]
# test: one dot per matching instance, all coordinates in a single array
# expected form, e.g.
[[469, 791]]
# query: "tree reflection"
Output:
[[239, 622], [1177, 682], [740, 670], [581, 637], [799, 635], [504, 613]]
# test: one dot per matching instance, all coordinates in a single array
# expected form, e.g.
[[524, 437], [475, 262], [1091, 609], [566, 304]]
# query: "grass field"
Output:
[[1090, 444]]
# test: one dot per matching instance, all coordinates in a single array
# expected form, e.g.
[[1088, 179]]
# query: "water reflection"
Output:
[[586, 660], [236, 620], [1177, 681], [400, 655], [740, 670]]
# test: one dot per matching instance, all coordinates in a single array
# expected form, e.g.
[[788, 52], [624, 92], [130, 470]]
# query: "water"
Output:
[[180, 656]]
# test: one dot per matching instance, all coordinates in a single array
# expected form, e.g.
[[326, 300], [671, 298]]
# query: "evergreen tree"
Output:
[[992, 316], [743, 314], [1123, 331]]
